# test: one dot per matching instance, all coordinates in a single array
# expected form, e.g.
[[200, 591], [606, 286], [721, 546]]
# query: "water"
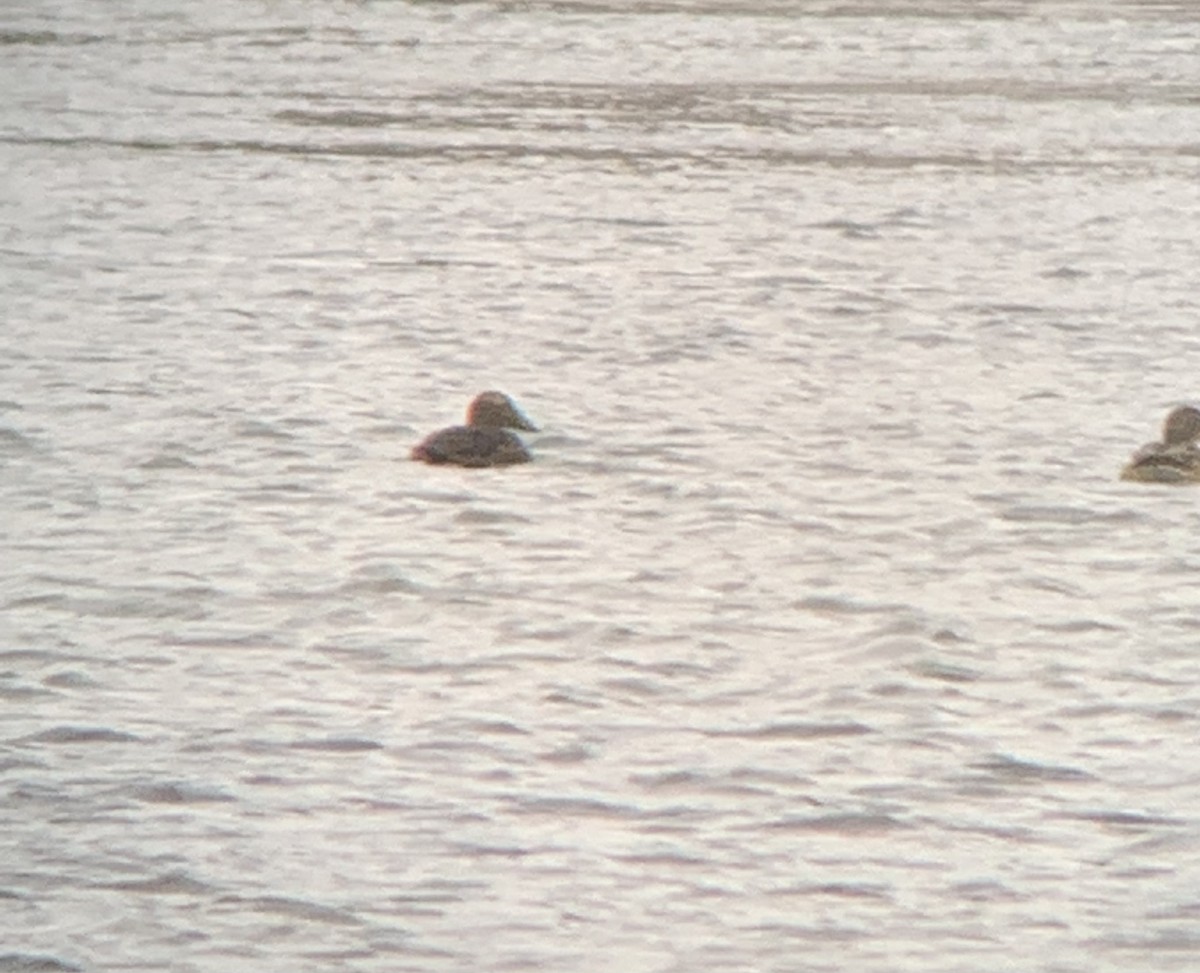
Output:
[[820, 636]]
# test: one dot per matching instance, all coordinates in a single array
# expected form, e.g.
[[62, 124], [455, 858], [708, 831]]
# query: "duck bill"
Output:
[[521, 421]]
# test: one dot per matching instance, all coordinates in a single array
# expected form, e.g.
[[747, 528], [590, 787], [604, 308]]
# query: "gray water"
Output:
[[820, 636]]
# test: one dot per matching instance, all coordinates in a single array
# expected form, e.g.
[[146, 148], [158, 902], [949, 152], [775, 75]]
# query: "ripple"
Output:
[[171, 883], [41, 38], [302, 909], [944, 672], [1123, 820], [578, 807], [844, 824], [29, 963], [180, 794], [336, 745], [77, 734], [14, 443], [838, 890], [1002, 767], [796, 731]]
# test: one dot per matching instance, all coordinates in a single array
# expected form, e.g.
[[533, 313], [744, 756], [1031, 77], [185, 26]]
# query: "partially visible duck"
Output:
[[1176, 458], [484, 440]]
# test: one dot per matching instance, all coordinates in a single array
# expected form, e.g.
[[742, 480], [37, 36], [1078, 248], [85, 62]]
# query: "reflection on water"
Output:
[[821, 621]]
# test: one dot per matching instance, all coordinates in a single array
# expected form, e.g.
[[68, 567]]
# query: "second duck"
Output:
[[1176, 458]]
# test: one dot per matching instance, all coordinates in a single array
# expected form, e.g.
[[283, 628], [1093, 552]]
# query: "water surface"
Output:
[[820, 636]]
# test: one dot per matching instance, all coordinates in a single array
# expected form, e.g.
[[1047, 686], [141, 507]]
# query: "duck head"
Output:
[[495, 410], [1181, 426]]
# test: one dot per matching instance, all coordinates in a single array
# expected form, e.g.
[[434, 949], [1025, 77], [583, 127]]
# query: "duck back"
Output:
[[1160, 463], [472, 446]]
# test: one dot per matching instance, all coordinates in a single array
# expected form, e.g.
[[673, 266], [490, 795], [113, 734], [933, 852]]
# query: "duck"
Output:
[[485, 440], [1176, 457]]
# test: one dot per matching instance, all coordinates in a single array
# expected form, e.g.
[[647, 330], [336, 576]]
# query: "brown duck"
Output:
[[1176, 459], [484, 440]]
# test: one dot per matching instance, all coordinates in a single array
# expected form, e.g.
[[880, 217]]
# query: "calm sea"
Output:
[[819, 637]]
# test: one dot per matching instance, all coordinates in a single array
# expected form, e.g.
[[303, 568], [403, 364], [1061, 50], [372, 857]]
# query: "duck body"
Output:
[[472, 446], [1160, 463], [485, 440], [1174, 459]]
